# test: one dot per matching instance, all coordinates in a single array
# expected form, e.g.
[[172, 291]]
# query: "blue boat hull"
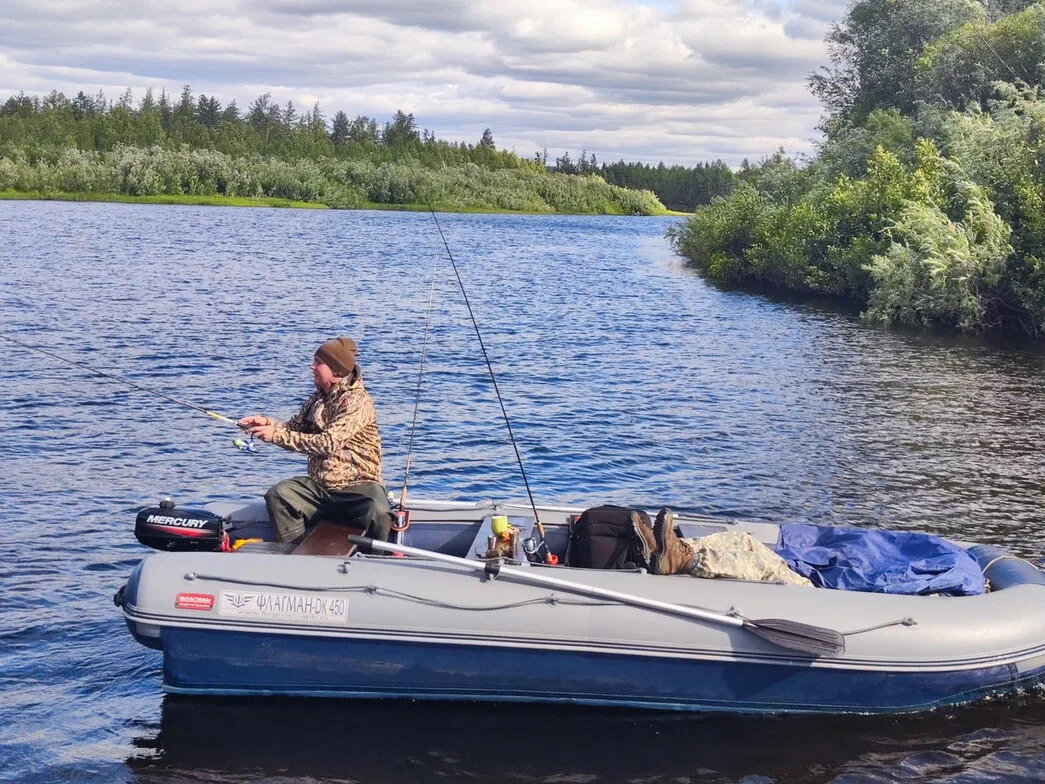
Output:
[[208, 662]]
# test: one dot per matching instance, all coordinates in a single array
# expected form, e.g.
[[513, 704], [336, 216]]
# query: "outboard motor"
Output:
[[164, 527]]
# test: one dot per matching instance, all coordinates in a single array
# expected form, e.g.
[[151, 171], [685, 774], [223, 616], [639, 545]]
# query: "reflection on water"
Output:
[[378, 742], [628, 379]]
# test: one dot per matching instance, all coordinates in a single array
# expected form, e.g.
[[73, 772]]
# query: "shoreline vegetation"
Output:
[[180, 199], [245, 201], [925, 203], [205, 176], [194, 150]]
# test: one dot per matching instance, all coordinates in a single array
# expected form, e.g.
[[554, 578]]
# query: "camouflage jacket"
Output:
[[338, 432]]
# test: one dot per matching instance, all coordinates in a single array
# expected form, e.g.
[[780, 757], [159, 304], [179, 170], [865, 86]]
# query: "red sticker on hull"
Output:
[[194, 601]]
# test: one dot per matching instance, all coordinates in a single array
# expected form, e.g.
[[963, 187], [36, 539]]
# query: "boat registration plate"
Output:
[[284, 606]]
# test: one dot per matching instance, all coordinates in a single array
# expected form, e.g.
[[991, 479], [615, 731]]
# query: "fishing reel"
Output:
[[247, 445], [537, 552]]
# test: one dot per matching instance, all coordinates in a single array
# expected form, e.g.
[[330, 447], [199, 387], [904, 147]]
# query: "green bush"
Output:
[[938, 270], [336, 182], [918, 244], [8, 174], [718, 236], [959, 68], [918, 212]]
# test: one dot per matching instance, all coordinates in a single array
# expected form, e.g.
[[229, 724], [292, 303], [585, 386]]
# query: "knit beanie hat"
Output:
[[339, 354]]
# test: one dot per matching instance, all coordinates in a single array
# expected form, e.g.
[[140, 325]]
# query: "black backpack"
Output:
[[604, 537]]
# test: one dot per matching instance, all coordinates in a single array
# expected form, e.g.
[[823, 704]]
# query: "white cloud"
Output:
[[647, 80]]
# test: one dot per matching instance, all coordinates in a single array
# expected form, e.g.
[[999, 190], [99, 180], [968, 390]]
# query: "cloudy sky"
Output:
[[674, 80]]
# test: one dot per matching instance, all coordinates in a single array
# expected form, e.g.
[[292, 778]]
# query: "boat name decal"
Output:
[[284, 606]]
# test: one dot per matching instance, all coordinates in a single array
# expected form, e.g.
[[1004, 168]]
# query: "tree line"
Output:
[[925, 202], [267, 128], [195, 145], [679, 187]]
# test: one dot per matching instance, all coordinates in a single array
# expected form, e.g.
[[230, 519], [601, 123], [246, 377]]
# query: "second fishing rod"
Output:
[[493, 378]]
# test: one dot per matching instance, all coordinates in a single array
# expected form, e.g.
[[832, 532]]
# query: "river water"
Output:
[[628, 379]]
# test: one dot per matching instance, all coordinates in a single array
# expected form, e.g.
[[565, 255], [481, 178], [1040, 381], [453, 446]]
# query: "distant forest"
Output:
[[34, 129], [679, 187]]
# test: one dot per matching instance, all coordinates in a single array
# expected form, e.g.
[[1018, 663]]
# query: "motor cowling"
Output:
[[166, 527]]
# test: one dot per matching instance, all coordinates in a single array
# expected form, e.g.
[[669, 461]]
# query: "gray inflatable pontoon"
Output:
[[264, 621]]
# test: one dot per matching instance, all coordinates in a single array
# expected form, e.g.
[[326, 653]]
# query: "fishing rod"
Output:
[[489, 367], [417, 394], [985, 40], [245, 446]]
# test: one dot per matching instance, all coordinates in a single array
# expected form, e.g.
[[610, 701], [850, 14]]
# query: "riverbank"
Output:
[[198, 201], [263, 201], [334, 182]]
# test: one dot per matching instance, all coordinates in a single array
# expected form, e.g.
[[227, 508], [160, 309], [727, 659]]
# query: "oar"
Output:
[[814, 640]]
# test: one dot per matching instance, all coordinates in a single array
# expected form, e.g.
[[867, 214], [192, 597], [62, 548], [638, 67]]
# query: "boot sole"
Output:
[[665, 519]]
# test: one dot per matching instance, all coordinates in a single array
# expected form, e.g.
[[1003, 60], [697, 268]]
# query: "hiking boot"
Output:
[[647, 542], [672, 556]]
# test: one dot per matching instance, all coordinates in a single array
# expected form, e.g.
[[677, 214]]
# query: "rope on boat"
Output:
[[551, 599], [375, 590], [902, 622]]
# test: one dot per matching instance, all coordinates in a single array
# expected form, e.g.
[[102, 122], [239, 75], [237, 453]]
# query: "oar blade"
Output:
[[815, 640]]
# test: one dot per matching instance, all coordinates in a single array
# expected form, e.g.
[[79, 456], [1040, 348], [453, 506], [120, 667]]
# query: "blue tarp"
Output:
[[879, 561]]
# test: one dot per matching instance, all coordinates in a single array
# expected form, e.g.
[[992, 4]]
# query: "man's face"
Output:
[[324, 377]]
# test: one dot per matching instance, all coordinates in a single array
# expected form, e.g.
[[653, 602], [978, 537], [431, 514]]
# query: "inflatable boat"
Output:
[[429, 615]]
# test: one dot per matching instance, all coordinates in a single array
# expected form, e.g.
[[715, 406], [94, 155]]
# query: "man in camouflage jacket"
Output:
[[337, 428]]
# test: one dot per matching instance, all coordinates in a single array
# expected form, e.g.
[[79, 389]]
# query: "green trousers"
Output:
[[294, 504]]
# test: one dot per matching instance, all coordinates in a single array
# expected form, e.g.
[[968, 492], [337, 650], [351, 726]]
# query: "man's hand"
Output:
[[263, 432], [254, 420]]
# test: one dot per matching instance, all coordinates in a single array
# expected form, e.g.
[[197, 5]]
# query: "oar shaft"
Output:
[[530, 576]]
